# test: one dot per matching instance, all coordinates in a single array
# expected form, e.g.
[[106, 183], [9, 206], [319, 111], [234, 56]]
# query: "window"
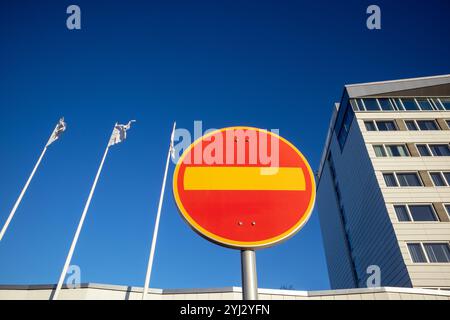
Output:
[[447, 208], [397, 151], [398, 104], [424, 104], [409, 179], [427, 125], [447, 177], [437, 252], [379, 151], [389, 179], [410, 104], [402, 213], [429, 252], [422, 212], [423, 150], [354, 104], [402, 104], [437, 150], [386, 125], [371, 104], [411, 125], [415, 212], [440, 150], [370, 126], [391, 150], [437, 104], [403, 179], [416, 252], [385, 104], [448, 123], [413, 179], [445, 103], [438, 179]]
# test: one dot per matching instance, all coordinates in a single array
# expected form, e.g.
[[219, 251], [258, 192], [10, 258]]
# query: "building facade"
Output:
[[383, 187], [93, 291]]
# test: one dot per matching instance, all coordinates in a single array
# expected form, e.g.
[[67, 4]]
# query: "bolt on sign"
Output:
[[244, 188]]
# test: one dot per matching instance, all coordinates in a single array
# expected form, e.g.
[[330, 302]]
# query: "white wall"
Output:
[[112, 292], [422, 275]]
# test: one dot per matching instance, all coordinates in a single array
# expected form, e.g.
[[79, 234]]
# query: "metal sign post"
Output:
[[249, 276]]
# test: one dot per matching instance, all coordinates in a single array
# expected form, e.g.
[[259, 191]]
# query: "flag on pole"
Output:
[[172, 148], [119, 133], [59, 129]]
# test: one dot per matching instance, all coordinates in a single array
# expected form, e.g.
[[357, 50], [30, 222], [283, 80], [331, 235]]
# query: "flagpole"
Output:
[[158, 216], [59, 128], [77, 233], [16, 205]]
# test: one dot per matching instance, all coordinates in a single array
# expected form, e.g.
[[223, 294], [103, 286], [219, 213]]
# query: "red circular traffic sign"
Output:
[[244, 187]]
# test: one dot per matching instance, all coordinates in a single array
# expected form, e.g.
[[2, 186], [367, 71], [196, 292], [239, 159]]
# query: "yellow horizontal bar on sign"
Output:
[[244, 178]]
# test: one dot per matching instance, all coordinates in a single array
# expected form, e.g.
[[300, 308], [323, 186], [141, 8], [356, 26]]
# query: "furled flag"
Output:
[[59, 129], [119, 133], [172, 147]]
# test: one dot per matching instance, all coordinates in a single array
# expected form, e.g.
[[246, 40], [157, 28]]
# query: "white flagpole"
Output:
[[158, 216], [16, 205], [13, 211], [77, 233]]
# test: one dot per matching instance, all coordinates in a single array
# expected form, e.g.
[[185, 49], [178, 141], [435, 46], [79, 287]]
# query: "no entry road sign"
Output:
[[244, 188]]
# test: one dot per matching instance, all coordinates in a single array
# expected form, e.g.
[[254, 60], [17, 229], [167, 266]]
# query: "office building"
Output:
[[383, 185]]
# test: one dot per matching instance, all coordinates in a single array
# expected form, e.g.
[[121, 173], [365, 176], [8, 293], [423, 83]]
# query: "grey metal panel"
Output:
[[369, 227], [441, 90], [377, 88], [338, 262]]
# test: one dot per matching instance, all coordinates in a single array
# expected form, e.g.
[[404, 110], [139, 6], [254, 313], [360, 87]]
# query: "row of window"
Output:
[[380, 125], [412, 179], [400, 104], [411, 125], [401, 150], [402, 179], [429, 252], [418, 212], [435, 150], [423, 125]]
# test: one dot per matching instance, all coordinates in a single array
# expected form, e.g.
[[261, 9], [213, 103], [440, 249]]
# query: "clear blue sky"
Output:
[[259, 63]]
